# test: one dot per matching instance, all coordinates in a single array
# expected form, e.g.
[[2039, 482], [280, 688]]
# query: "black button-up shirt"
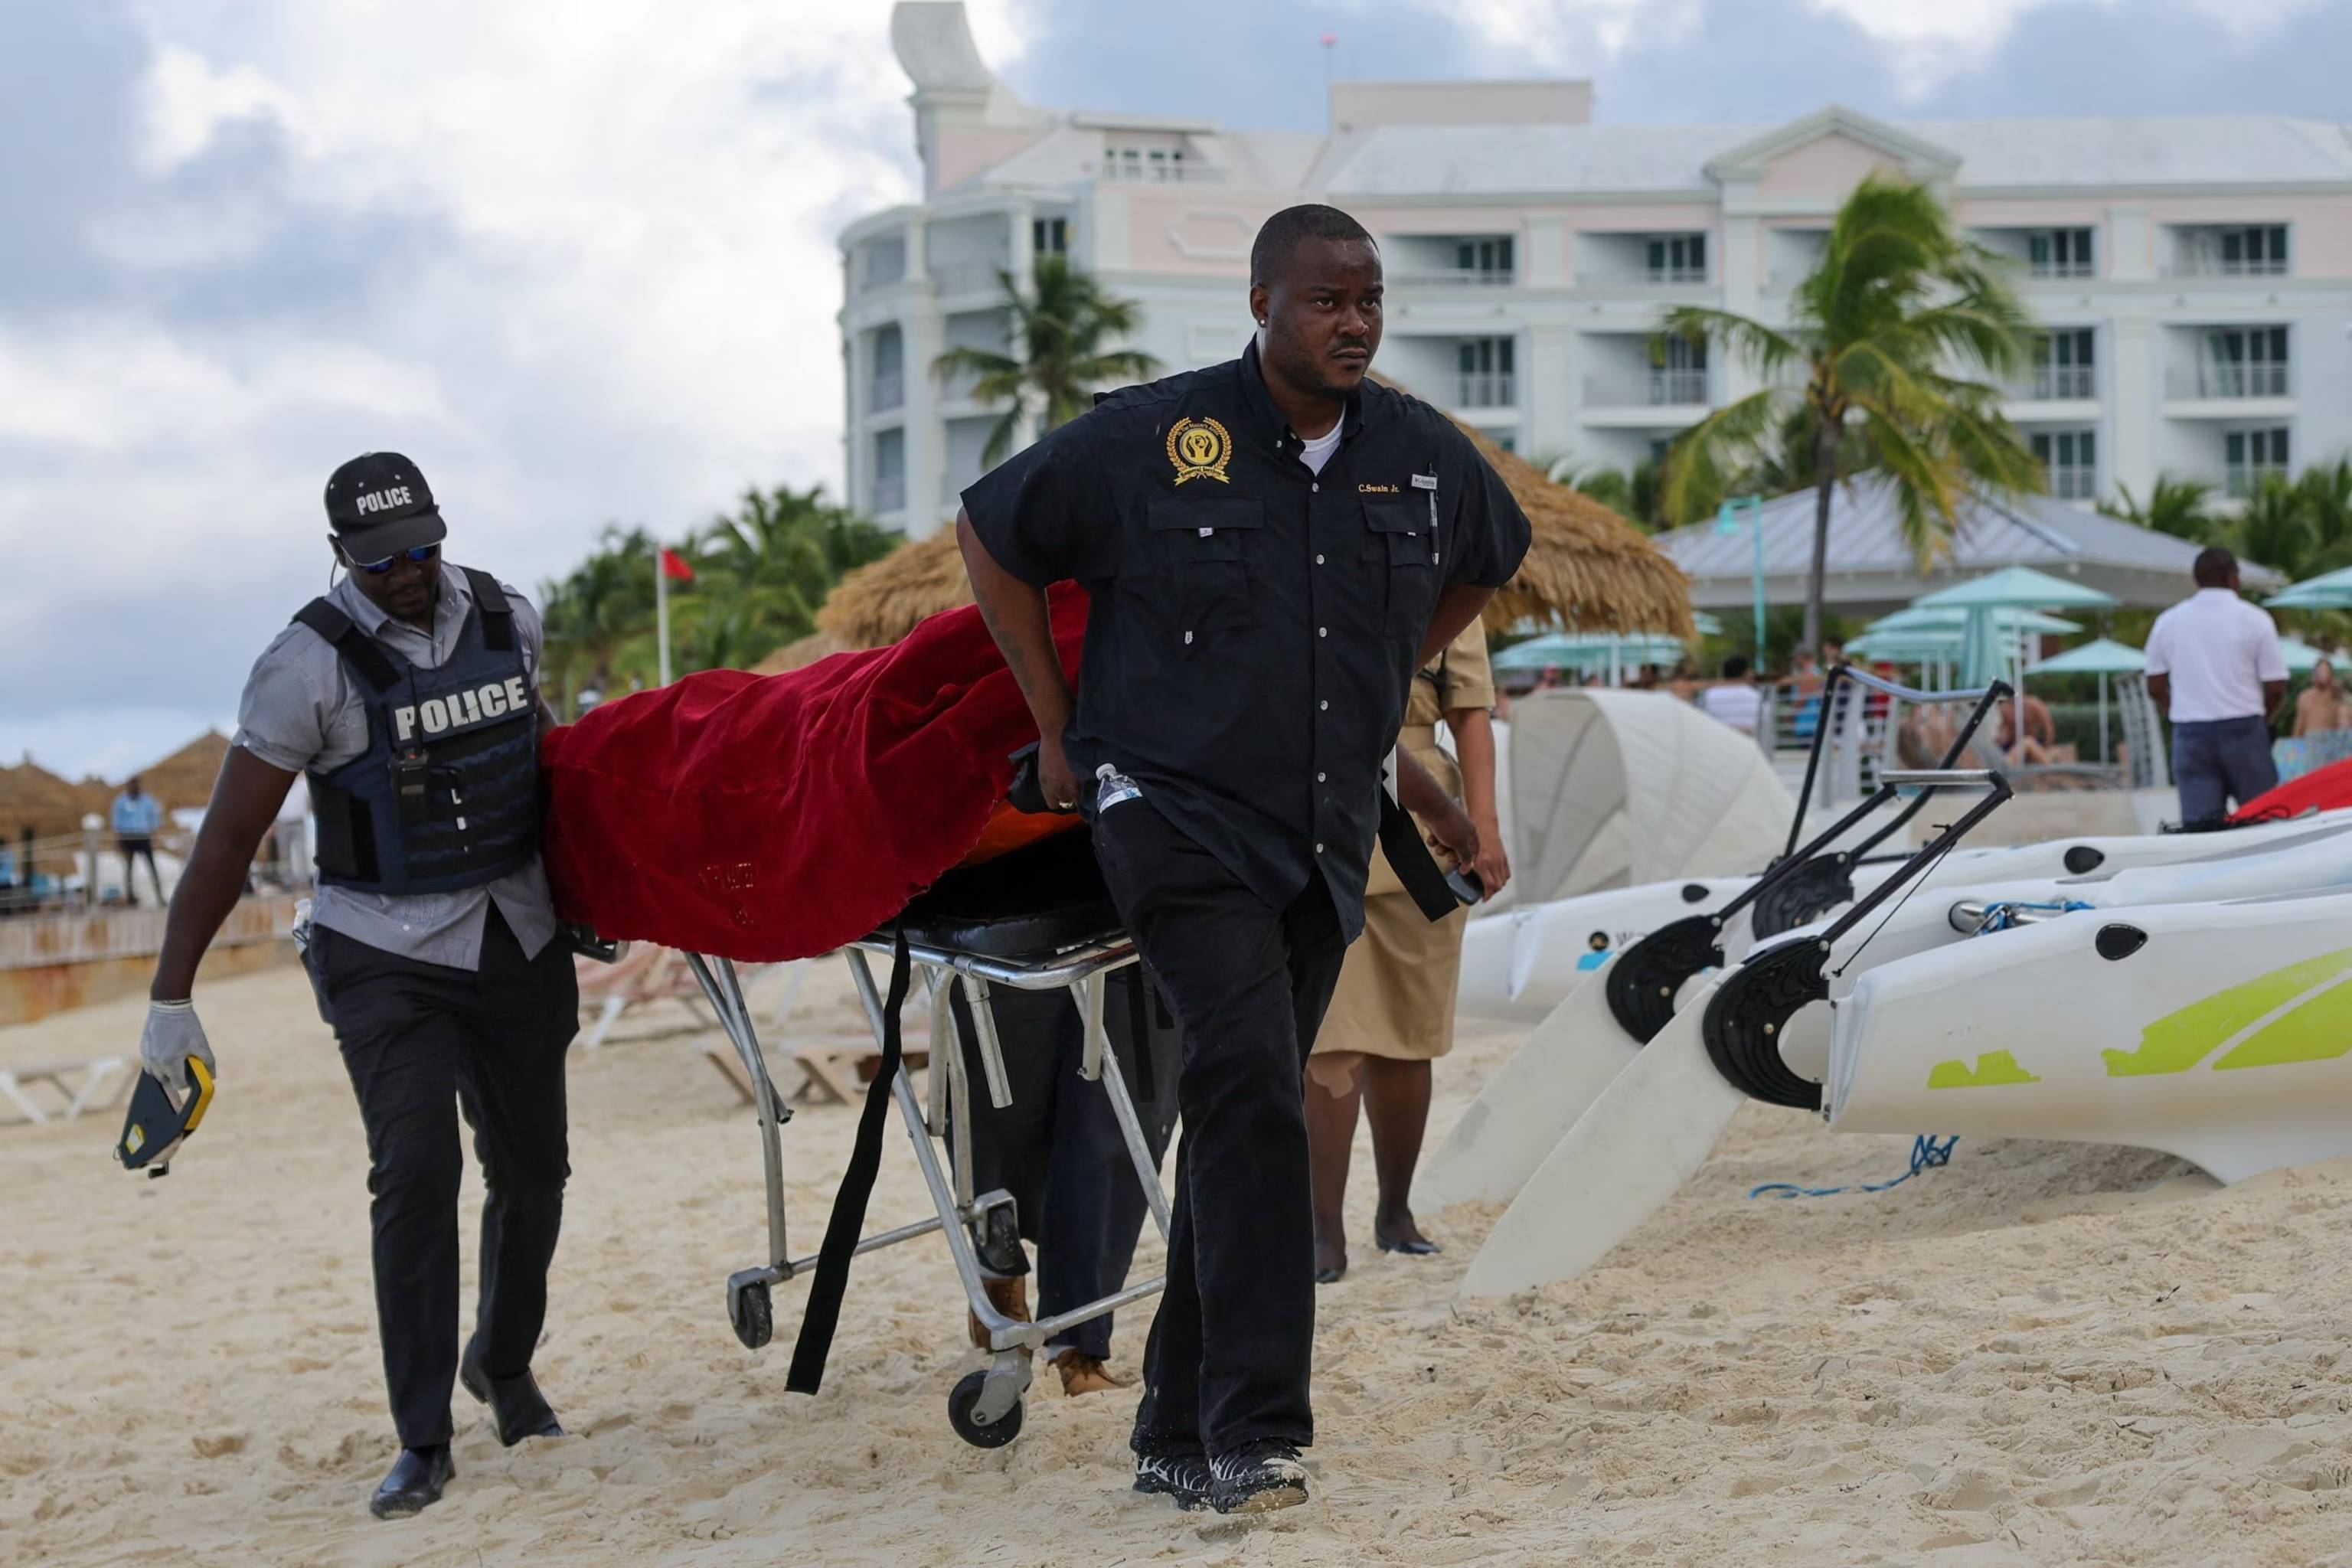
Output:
[[1253, 624]]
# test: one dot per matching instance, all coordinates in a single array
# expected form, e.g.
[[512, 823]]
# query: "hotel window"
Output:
[[1677, 258], [1681, 377], [889, 369], [2248, 455], [889, 470], [2243, 362], [2062, 364], [2244, 250], [2059, 253], [1485, 378], [886, 261], [1050, 235], [2071, 459], [1487, 259]]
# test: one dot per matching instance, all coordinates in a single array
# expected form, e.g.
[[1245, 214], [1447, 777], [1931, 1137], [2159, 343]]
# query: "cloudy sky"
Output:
[[575, 257]]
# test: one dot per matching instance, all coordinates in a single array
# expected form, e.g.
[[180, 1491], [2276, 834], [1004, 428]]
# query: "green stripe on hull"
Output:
[[1992, 1069], [2318, 1031], [2179, 1040]]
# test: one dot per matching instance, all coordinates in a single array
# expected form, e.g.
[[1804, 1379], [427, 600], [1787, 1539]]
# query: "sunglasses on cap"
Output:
[[420, 555]]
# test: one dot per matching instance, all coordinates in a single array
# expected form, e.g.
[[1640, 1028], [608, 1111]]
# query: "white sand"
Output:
[[2041, 1354]]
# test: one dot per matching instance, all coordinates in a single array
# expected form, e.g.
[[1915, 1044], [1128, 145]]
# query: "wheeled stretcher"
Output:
[[1037, 920]]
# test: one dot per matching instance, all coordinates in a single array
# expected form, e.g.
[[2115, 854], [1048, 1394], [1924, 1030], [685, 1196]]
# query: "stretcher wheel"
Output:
[[748, 1310], [991, 1435]]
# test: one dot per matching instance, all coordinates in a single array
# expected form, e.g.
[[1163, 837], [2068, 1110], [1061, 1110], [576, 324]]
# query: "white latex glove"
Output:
[[174, 1035]]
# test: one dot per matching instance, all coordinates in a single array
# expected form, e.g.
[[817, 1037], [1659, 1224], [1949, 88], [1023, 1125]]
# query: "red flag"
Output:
[[673, 565]]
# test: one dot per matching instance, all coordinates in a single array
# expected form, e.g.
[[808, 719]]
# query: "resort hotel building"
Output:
[[2193, 275]]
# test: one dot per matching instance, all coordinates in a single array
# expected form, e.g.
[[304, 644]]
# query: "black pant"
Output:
[[133, 850], [1233, 1339], [1058, 1147], [423, 1041]]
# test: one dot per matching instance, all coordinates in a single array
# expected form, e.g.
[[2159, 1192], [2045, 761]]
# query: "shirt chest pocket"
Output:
[[1198, 557], [1401, 544]]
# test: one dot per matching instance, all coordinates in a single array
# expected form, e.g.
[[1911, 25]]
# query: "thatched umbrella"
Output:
[[800, 654], [1586, 568], [184, 780]]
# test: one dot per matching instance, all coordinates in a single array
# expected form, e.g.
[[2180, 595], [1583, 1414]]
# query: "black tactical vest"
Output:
[[447, 795]]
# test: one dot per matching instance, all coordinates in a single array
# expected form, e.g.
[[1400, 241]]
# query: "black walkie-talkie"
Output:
[[412, 785]]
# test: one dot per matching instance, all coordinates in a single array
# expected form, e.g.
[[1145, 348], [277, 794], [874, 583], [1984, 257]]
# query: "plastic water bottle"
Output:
[[1116, 786]]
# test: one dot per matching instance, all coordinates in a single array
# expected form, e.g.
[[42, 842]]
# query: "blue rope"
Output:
[[2003, 916], [1927, 1151]]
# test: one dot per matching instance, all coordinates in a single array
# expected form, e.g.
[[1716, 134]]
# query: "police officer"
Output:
[[409, 697], [1272, 547]]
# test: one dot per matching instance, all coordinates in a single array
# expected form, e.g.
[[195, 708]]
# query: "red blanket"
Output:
[[768, 818], [2321, 789]]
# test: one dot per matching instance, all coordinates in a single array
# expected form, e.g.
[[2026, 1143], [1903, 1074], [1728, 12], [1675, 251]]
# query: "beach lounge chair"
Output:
[[97, 1081]]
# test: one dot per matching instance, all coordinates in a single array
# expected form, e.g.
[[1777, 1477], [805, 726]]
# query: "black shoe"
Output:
[[1184, 1477], [1331, 1276], [517, 1407], [414, 1483], [1410, 1248], [1258, 1477]]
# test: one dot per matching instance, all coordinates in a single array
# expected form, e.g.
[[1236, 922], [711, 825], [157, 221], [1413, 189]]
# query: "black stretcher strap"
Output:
[[1409, 859], [843, 1231]]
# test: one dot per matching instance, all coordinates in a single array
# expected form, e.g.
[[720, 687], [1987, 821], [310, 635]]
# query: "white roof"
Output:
[[2186, 150], [1869, 563]]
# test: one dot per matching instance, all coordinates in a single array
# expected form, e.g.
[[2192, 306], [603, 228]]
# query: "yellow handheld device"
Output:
[[155, 1128]]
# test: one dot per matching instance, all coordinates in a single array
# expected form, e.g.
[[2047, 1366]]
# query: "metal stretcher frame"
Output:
[[985, 1406]]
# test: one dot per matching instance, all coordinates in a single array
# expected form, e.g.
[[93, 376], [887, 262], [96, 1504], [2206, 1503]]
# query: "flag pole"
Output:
[[661, 610]]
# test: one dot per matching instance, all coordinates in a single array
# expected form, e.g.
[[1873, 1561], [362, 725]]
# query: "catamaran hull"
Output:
[[2220, 1033]]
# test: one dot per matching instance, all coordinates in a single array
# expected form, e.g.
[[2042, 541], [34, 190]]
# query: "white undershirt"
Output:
[[1318, 452]]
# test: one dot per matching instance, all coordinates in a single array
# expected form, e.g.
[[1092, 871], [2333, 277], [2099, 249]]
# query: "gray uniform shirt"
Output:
[[300, 712]]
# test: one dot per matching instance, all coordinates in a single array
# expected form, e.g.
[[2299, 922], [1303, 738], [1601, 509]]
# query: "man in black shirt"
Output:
[[1271, 547]]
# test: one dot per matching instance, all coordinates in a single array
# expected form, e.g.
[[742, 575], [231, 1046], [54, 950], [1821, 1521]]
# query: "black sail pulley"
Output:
[[1647, 976], [1747, 1017]]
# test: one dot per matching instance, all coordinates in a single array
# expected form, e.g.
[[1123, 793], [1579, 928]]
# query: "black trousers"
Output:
[[1232, 1346], [424, 1042], [133, 850], [1058, 1147]]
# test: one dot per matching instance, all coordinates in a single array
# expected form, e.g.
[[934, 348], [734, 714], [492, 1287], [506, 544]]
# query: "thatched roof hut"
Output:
[[53, 807], [184, 781], [800, 654], [1587, 567]]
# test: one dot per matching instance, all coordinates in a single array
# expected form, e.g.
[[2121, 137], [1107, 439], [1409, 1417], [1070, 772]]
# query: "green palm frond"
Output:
[[1060, 353]]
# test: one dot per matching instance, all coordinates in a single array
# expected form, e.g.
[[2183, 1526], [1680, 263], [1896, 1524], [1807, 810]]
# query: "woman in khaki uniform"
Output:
[[1392, 1013]]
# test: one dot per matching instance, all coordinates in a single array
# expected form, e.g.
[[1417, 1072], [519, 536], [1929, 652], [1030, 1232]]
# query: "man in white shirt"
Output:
[[1736, 701], [2213, 663]]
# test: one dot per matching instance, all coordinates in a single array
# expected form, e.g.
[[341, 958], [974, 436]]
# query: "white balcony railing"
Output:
[[2227, 381], [968, 278], [889, 493], [1674, 274], [2075, 481], [2048, 268], [1660, 388], [889, 391], [1455, 278], [2058, 382], [1183, 172], [2202, 265], [1486, 389]]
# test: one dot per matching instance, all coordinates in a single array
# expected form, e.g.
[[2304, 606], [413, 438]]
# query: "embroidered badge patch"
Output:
[[1200, 448]]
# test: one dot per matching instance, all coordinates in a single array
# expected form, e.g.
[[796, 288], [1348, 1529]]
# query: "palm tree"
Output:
[[1058, 334], [1882, 335], [2177, 507]]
